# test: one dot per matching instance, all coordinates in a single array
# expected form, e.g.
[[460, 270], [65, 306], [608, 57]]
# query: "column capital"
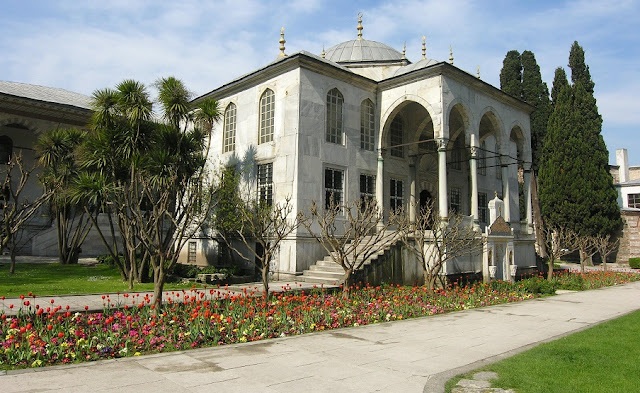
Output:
[[442, 144], [474, 151], [526, 166]]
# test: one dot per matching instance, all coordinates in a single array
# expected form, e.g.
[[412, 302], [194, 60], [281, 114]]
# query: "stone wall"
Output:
[[630, 241]]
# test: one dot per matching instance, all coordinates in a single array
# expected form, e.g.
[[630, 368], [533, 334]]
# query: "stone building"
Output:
[[361, 120], [26, 112], [626, 179]]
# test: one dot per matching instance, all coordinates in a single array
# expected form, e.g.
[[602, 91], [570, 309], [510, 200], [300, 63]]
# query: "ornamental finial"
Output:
[[404, 50], [424, 47], [323, 53], [450, 55], [282, 41], [359, 25], [478, 72]]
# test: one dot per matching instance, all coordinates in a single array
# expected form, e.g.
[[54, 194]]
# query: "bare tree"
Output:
[[262, 229], [560, 241], [351, 233], [434, 241], [16, 210], [605, 246], [586, 245]]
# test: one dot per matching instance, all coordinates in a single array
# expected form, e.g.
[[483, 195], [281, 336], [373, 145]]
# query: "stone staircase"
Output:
[[326, 271]]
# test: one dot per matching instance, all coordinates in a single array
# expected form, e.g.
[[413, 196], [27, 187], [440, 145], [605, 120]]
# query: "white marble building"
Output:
[[362, 120]]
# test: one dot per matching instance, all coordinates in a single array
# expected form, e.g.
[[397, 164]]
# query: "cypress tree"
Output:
[[536, 93], [576, 189], [579, 70], [511, 74], [559, 81], [559, 156]]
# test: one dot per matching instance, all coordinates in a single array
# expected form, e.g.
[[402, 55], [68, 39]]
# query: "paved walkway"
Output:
[[416, 355], [98, 302]]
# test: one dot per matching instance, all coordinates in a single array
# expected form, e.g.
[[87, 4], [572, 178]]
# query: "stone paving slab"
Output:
[[416, 355]]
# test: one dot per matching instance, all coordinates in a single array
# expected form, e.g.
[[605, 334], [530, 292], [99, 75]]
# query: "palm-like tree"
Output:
[[56, 150]]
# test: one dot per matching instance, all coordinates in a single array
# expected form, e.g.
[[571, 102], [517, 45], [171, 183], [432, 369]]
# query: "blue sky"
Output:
[[87, 45]]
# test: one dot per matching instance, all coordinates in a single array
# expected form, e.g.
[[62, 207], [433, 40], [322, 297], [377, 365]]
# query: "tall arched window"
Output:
[[396, 131], [229, 133], [335, 102], [367, 125], [6, 149], [267, 108]]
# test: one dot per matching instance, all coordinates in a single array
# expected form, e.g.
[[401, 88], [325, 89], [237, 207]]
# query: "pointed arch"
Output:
[[229, 129], [335, 120], [267, 115]]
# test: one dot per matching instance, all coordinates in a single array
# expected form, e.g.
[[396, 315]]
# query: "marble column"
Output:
[[380, 182], [412, 190], [527, 198], [506, 197], [473, 169], [443, 201]]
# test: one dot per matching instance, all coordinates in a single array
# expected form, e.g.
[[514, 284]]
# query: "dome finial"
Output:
[[404, 50], [450, 55], [323, 53], [424, 47], [359, 25], [282, 41], [478, 72]]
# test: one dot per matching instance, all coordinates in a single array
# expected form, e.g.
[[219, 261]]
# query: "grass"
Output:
[[603, 358], [47, 279]]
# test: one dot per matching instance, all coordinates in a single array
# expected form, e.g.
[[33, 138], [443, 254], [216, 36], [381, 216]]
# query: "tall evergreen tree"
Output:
[[536, 93], [576, 189], [559, 81], [511, 74], [579, 70]]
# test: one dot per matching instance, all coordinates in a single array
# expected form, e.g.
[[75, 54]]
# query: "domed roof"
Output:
[[361, 50]]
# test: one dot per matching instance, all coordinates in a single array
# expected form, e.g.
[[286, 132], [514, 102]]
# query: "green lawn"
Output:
[[605, 358], [45, 279]]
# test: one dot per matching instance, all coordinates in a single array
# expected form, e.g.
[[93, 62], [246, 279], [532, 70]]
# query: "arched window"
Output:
[[229, 134], [6, 149], [396, 139], [267, 108], [335, 102], [367, 125]]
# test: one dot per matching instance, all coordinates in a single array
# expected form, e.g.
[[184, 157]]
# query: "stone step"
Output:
[[321, 280], [334, 269], [323, 274]]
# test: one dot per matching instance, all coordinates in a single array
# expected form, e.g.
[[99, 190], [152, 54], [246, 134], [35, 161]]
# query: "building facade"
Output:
[[626, 179], [362, 121]]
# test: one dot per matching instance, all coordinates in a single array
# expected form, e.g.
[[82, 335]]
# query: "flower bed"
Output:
[[192, 319]]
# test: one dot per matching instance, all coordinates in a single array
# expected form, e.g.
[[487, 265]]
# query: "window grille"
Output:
[[229, 139], [396, 137], [367, 188], [333, 187], [335, 103], [634, 201], [267, 109], [454, 200], [367, 125], [396, 195], [265, 183], [483, 207]]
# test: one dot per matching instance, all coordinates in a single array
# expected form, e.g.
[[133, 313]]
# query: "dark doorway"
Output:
[[425, 199]]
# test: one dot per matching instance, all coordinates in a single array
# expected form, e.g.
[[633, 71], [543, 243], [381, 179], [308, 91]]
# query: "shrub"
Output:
[[108, 259], [209, 270], [634, 263], [540, 285], [185, 271]]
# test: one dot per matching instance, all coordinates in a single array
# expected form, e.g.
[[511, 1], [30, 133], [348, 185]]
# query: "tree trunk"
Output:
[[537, 216], [429, 281], [158, 285], [265, 279], [550, 272], [583, 260], [12, 267], [348, 282]]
